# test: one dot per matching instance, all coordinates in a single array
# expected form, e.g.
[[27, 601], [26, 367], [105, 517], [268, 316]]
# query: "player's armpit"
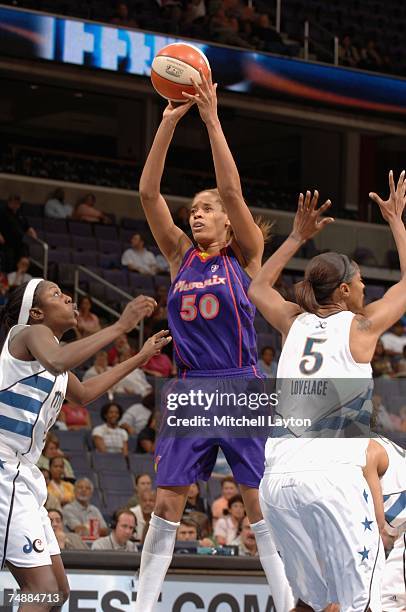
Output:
[[384, 313]]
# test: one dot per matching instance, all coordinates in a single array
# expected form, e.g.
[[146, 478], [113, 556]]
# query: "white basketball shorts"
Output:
[[394, 578], [26, 536], [324, 526]]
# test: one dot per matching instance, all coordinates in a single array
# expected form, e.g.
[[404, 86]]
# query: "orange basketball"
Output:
[[173, 68]]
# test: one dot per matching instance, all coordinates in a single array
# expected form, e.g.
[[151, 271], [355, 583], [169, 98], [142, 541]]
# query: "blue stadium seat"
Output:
[[79, 460], [126, 400], [58, 241], [141, 281], [116, 481], [118, 278], [109, 260], [115, 501], [108, 246], [55, 226], [106, 232], [60, 256], [84, 243], [140, 464], [72, 440], [85, 258], [80, 228], [108, 461]]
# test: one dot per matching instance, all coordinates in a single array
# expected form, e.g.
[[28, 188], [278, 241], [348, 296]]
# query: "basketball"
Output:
[[173, 69]]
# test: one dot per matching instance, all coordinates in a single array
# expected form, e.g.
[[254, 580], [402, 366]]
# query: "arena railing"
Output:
[[307, 39], [77, 291], [43, 265]]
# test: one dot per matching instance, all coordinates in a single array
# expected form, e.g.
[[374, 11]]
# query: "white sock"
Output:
[[156, 557], [273, 567]]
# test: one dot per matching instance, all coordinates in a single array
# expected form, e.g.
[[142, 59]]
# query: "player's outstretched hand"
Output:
[[142, 306], [393, 207], [205, 97], [308, 219], [155, 344], [174, 112]]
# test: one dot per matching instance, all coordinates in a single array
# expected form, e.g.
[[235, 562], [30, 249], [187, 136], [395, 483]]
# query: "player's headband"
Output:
[[28, 299], [347, 274]]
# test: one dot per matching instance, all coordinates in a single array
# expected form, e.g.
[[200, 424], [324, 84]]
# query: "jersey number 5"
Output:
[[311, 360], [208, 307]]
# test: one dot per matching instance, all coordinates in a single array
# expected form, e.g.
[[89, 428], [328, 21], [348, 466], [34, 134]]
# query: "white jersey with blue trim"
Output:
[[324, 406], [30, 401], [393, 484]]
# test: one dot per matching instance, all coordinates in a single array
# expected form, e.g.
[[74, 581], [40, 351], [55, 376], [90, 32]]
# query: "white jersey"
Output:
[[393, 484], [325, 395], [30, 401]]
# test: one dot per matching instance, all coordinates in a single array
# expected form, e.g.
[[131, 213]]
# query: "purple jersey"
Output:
[[210, 316]]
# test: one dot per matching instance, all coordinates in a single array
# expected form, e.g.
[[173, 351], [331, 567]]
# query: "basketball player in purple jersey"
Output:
[[211, 321]]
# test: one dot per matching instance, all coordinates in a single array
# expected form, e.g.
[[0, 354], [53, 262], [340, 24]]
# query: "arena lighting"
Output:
[[72, 41]]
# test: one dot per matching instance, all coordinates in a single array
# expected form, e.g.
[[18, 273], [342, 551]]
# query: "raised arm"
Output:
[[39, 342], [246, 232], [91, 389], [307, 223], [172, 241], [382, 314]]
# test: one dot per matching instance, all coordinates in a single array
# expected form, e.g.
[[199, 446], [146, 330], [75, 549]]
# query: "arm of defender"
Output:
[[172, 241], [88, 391], [39, 340], [376, 466], [308, 222], [383, 313]]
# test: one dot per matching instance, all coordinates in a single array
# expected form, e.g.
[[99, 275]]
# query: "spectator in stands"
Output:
[[205, 529], [137, 258], [401, 365], [348, 53], [135, 382], [269, 39], [147, 436], [267, 362], [3, 288], [76, 417], [110, 438], [66, 541], [120, 347], [188, 531], [78, 513], [195, 9], [370, 56], [143, 512], [136, 417], [52, 501], [52, 449], [194, 502], [143, 482], [159, 365], [395, 340], [88, 322], [381, 364], [402, 419], [100, 365], [229, 489], [246, 542], [19, 276], [123, 527], [58, 486], [122, 16], [56, 207], [85, 210], [227, 528], [13, 227]]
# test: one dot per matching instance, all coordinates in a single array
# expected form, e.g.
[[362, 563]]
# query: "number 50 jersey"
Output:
[[210, 316], [325, 397]]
